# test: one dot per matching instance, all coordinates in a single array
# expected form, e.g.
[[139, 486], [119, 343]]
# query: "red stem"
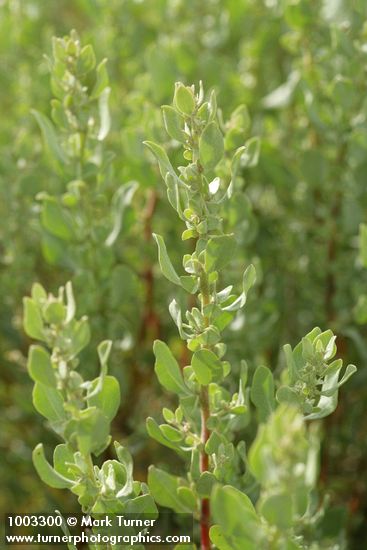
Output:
[[204, 467], [150, 325]]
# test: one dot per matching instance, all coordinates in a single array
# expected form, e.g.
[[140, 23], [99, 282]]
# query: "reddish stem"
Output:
[[204, 467], [150, 325]]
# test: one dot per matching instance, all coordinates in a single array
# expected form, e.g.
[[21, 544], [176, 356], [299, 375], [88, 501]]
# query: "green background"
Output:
[[300, 68]]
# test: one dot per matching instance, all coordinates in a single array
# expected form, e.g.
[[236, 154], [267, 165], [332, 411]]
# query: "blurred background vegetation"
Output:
[[300, 68]]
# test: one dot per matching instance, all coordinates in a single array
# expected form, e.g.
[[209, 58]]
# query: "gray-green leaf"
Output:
[[211, 146], [46, 472], [40, 366], [219, 252], [50, 136], [262, 392], [168, 370], [49, 402], [164, 261]]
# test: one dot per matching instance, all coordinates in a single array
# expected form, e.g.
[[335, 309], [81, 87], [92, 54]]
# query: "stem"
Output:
[[150, 326], [205, 432], [204, 467]]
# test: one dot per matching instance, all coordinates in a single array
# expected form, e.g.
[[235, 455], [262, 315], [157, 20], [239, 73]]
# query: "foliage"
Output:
[[282, 459], [295, 212], [78, 410], [82, 224]]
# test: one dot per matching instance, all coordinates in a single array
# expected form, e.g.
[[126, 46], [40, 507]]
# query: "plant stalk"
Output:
[[204, 467], [205, 432]]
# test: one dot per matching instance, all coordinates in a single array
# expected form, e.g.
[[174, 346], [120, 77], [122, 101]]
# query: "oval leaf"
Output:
[[167, 369], [166, 266], [46, 472], [211, 146], [40, 366]]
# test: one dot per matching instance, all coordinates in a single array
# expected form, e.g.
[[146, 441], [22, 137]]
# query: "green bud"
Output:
[[71, 47]]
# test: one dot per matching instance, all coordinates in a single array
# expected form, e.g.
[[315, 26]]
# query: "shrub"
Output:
[[294, 213], [79, 411], [204, 426]]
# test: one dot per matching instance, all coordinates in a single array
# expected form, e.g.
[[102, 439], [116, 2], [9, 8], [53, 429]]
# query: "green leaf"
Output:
[[264, 460], [57, 220], [155, 432], [142, 505], [171, 433], [49, 402], [45, 471], [124, 457], [121, 200], [190, 283], [38, 293], [62, 456], [65, 530], [234, 511], [50, 137], [70, 302], [173, 123], [184, 99], [283, 95], [250, 156], [285, 394], [104, 350], [238, 125], [205, 484], [101, 79], [349, 371], [107, 400], [168, 370], [215, 441], [206, 365], [235, 165], [189, 234], [87, 60], [54, 313], [40, 366], [33, 323], [166, 266], [164, 487], [58, 114], [176, 315], [91, 430], [291, 363], [219, 252], [225, 541], [262, 392], [164, 163], [188, 498], [168, 415], [211, 146], [80, 336], [117, 478], [329, 391], [104, 114], [221, 541], [55, 252], [249, 279], [176, 189], [278, 510], [177, 194]]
